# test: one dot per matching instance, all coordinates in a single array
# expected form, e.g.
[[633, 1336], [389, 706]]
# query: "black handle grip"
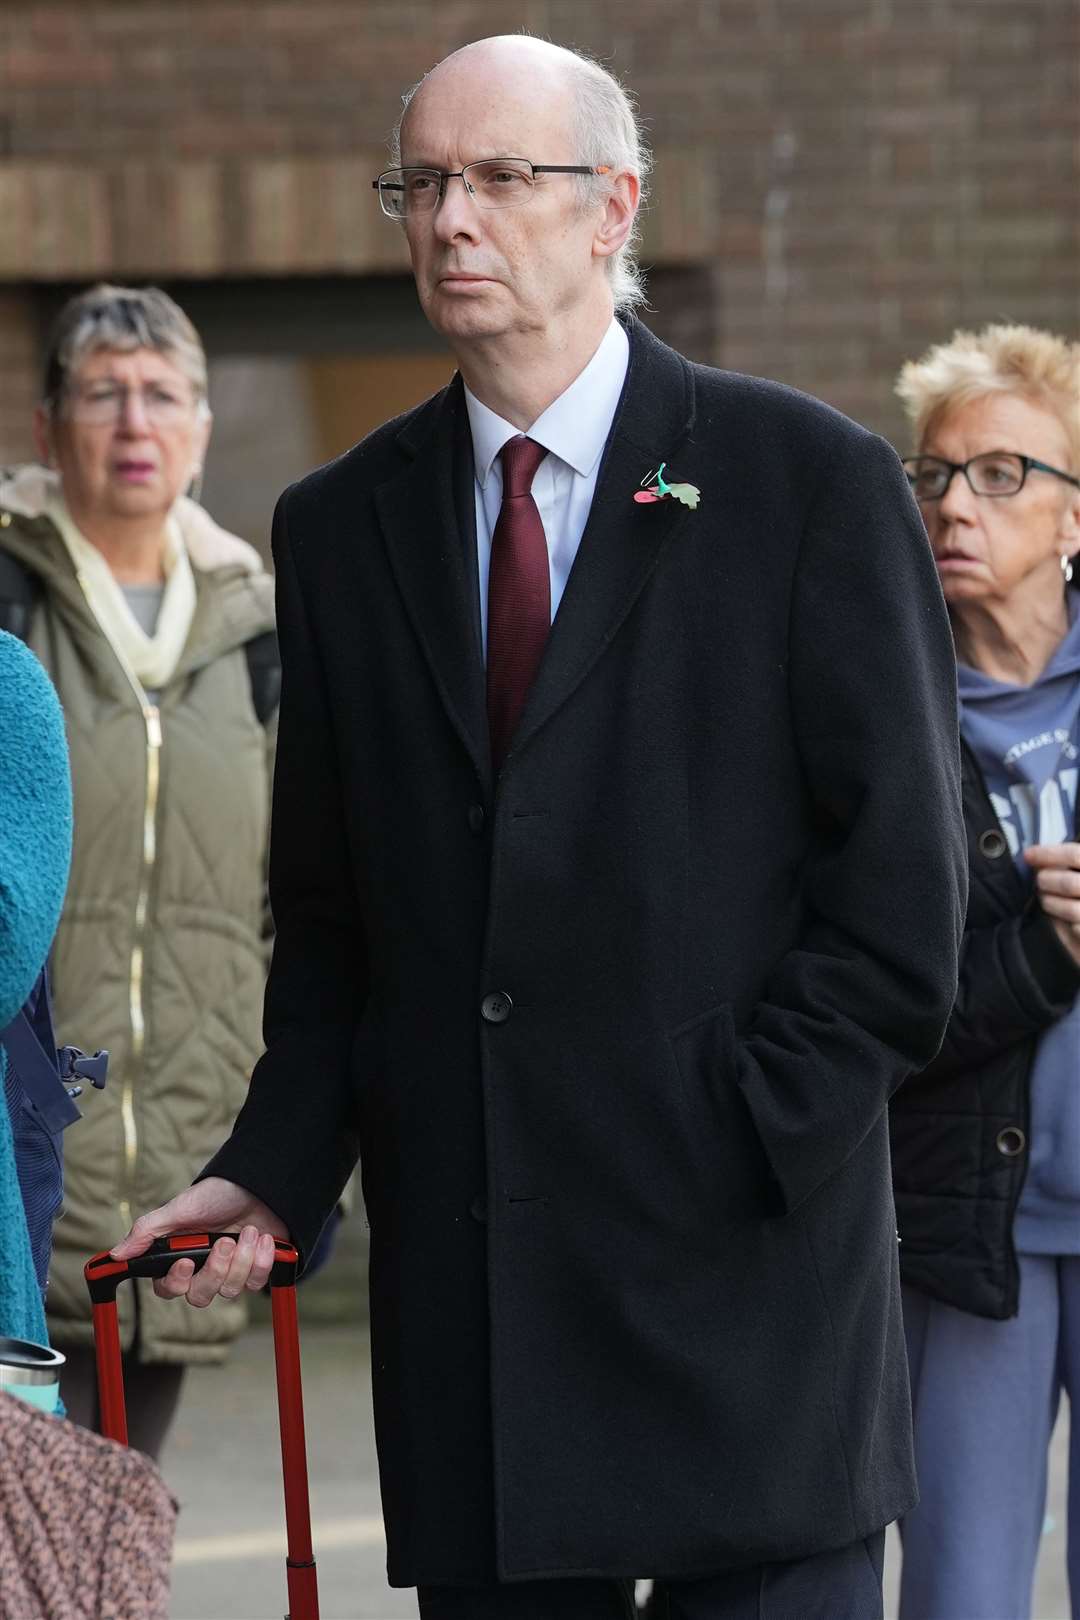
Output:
[[163, 1253], [104, 1274]]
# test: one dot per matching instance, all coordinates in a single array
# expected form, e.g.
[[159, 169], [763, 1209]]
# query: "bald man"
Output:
[[618, 876]]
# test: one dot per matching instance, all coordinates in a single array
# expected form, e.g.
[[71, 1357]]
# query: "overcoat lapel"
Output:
[[623, 540], [419, 513], [424, 510]]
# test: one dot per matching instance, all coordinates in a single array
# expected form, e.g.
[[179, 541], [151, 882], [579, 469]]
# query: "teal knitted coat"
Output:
[[35, 851]]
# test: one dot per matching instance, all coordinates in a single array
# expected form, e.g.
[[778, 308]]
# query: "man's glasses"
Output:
[[998, 472], [491, 183], [103, 404]]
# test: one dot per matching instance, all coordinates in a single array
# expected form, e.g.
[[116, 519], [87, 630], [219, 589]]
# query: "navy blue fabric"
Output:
[[31, 1045], [39, 1107], [323, 1246]]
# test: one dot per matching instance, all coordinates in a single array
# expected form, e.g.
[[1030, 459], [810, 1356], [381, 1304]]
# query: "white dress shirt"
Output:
[[573, 430]]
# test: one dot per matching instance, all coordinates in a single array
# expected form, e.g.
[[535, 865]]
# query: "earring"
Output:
[[1066, 566]]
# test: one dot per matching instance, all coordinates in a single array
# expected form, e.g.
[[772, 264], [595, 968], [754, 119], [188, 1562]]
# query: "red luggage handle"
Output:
[[104, 1274]]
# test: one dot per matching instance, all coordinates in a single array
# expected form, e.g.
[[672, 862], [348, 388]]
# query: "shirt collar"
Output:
[[575, 426]]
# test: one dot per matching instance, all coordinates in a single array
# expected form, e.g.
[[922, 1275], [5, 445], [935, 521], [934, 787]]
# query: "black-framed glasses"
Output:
[[995, 473], [491, 183]]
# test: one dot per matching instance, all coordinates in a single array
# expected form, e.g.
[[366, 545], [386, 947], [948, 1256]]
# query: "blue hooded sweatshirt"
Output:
[[1027, 742]]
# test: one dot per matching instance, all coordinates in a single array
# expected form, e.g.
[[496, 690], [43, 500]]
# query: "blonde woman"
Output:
[[986, 1141], [145, 613]]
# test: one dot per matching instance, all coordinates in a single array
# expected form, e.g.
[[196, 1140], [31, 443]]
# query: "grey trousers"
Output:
[[985, 1395]]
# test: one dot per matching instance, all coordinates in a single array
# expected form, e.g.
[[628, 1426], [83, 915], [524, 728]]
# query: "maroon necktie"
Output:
[[519, 594]]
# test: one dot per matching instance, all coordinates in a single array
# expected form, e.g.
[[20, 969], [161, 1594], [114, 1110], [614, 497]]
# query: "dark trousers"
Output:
[[151, 1395], [841, 1585]]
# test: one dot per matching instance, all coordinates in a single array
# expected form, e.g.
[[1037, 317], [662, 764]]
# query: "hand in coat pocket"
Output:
[[740, 1181]]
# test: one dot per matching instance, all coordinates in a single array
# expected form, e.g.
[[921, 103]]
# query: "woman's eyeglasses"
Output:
[[996, 473]]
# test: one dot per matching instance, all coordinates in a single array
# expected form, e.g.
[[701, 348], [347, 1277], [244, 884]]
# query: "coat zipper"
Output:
[[137, 1010]]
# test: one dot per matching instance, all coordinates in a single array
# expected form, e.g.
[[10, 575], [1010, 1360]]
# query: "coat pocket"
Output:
[[704, 1049], [735, 1165]]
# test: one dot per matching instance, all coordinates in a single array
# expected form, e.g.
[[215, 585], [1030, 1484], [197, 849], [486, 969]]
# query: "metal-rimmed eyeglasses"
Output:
[[995, 473], [102, 404], [490, 182]]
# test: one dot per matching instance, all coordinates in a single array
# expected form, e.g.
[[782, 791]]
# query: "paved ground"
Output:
[[224, 1465]]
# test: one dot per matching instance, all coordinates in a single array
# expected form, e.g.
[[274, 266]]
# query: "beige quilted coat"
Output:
[[160, 955]]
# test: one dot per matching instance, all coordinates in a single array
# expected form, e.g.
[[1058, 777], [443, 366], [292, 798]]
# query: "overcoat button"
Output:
[[478, 1210], [992, 843], [1011, 1141], [476, 819], [5, 520], [496, 1007]]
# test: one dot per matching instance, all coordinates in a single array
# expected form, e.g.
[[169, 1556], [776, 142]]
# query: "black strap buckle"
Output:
[[75, 1065]]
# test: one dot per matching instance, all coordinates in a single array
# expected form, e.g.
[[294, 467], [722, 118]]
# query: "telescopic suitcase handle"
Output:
[[104, 1274]]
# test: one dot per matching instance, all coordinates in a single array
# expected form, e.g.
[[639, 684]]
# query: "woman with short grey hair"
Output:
[[156, 626]]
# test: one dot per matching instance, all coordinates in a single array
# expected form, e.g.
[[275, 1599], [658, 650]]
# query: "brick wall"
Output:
[[19, 381], [839, 182]]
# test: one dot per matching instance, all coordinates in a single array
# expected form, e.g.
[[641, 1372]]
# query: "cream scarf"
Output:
[[151, 659]]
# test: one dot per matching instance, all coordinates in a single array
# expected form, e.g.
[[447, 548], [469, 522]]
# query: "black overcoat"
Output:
[[961, 1130], [614, 1036]]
